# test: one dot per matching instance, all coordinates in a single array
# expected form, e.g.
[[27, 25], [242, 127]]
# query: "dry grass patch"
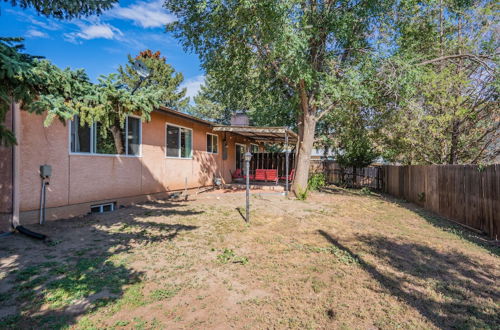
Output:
[[337, 260]]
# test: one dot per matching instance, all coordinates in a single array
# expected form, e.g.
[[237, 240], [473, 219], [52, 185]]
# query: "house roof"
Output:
[[258, 133], [170, 111]]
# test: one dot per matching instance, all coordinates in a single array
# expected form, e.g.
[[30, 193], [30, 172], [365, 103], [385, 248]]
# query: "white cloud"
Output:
[[34, 33], [193, 86], [94, 31], [44, 23], [145, 14]]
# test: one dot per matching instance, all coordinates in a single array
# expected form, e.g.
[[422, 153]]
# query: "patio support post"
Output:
[[248, 157], [286, 163]]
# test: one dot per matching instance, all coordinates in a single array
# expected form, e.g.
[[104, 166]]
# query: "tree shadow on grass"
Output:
[[448, 226], [83, 266], [448, 288], [432, 218]]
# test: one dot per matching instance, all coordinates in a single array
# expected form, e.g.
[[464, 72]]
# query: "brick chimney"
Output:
[[240, 119]]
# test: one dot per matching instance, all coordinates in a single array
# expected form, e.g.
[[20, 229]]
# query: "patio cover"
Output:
[[261, 133], [264, 134]]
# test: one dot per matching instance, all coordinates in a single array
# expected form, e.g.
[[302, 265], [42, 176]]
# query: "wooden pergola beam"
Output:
[[271, 134]]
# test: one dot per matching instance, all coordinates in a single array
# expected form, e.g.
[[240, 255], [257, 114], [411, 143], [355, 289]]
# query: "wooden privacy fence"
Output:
[[468, 194]]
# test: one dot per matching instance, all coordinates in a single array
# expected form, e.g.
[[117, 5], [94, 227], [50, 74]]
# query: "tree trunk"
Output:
[[117, 136], [307, 127], [354, 177], [454, 143], [304, 154]]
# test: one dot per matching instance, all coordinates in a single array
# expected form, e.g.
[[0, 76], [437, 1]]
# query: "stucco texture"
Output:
[[82, 179]]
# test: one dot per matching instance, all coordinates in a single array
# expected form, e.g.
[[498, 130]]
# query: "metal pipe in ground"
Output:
[[286, 162], [248, 156], [42, 203]]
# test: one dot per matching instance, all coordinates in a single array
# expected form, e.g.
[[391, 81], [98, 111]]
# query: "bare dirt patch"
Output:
[[336, 260]]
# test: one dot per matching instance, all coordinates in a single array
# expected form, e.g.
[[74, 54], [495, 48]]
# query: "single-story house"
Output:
[[171, 152]]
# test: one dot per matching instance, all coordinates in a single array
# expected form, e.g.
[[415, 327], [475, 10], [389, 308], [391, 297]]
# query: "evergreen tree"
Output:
[[162, 75], [38, 85], [109, 103], [65, 9], [209, 104]]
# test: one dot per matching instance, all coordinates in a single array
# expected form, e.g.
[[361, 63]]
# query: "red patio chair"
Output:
[[272, 175], [252, 177], [290, 177], [237, 174], [260, 175]]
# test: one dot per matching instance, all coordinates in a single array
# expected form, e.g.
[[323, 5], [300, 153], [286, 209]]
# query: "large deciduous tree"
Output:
[[442, 83], [349, 130], [279, 53]]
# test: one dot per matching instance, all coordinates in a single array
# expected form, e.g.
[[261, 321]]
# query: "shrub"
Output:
[[317, 181], [365, 191]]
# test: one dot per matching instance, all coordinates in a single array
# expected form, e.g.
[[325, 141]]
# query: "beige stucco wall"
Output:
[[6, 180], [79, 181]]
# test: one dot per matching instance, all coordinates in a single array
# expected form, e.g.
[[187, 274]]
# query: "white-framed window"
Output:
[[88, 139], [212, 143], [254, 148], [179, 141]]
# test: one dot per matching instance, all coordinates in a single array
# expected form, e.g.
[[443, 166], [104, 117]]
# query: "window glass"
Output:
[[185, 143], [105, 143], [179, 142], [209, 143], [212, 143], [254, 148], [173, 141], [80, 136], [215, 144], [92, 139], [240, 153], [133, 138]]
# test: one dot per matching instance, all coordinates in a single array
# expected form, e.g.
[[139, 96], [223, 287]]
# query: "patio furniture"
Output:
[[266, 175], [237, 174], [252, 177], [272, 175], [260, 175], [290, 177]]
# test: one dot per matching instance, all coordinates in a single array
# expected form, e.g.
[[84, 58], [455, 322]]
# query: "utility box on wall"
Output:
[[45, 171]]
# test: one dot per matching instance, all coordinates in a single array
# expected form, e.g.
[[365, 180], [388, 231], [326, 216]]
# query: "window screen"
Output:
[[186, 143], [92, 139], [212, 143], [133, 137], [80, 136], [173, 141], [179, 142]]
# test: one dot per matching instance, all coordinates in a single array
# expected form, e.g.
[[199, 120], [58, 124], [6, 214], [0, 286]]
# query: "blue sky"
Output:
[[100, 44]]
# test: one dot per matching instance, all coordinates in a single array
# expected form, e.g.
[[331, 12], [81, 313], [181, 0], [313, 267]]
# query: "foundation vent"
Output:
[[101, 208]]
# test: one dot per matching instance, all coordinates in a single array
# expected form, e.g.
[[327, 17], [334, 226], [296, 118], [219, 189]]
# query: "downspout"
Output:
[[15, 164]]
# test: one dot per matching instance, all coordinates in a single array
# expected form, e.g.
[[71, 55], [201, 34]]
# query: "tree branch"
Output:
[[474, 57]]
